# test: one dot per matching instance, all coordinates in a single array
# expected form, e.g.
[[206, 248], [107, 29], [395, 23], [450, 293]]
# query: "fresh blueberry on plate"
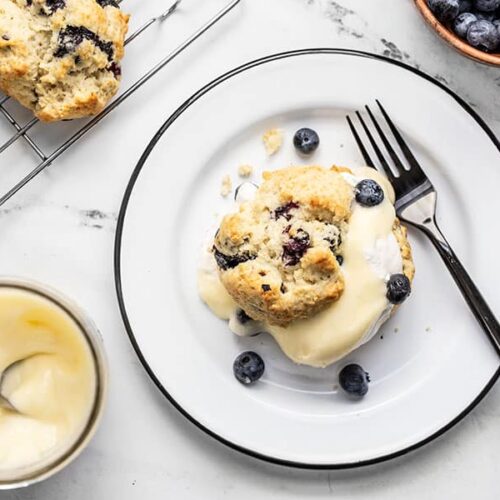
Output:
[[444, 10], [306, 141], [398, 288], [354, 380], [462, 24], [369, 193], [248, 367]]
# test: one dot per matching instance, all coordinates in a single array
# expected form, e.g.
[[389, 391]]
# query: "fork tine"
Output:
[[380, 155], [402, 143], [360, 144], [395, 158]]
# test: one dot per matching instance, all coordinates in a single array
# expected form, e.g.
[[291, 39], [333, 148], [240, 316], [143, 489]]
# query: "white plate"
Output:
[[429, 365]]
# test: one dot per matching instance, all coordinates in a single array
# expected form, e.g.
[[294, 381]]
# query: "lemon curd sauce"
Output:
[[371, 254], [50, 380]]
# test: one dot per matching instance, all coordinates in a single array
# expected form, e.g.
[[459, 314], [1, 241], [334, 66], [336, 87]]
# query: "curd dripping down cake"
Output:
[[316, 257]]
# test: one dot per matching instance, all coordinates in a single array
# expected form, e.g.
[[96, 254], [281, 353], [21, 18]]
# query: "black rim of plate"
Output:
[[119, 232]]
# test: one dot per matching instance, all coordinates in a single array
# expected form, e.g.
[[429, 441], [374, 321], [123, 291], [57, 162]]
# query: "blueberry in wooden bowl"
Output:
[[471, 26]]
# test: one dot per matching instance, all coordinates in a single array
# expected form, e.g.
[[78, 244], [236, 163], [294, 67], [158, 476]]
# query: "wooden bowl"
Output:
[[450, 37]]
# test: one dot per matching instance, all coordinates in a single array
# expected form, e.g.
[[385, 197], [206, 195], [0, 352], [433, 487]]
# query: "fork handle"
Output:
[[471, 293]]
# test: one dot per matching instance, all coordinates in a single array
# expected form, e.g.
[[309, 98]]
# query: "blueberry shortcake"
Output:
[[61, 58], [316, 257]]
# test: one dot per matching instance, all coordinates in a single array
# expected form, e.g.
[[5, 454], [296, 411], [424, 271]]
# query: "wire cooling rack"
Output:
[[46, 159]]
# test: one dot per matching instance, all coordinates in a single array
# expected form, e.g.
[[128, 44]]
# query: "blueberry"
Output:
[[487, 5], [53, 5], [70, 37], [306, 141], [444, 10], [284, 210], [242, 316], [248, 367], [105, 3], [484, 16], [464, 6], [484, 36], [226, 262], [340, 259], [116, 69], [354, 380], [398, 288], [333, 244], [462, 23], [295, 248], [369, 193], [335, 241]]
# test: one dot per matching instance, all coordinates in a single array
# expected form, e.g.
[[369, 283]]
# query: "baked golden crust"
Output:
[[323, 193], [278, 254], [400, 233], [61, 59]]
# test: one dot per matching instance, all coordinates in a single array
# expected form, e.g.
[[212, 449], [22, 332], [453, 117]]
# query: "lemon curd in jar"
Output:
[[51, 381]]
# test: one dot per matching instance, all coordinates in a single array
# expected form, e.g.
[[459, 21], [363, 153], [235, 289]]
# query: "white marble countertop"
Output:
[[60, 230]]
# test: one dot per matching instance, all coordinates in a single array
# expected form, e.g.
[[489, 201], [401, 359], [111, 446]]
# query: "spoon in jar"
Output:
[[5, 404]]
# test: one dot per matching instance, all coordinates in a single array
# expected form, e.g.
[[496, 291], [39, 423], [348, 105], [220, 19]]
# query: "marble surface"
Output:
[[60, 230]]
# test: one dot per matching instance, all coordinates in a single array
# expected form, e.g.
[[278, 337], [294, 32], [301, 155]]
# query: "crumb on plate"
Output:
[[273, 140], [245, 170], [226, 186]]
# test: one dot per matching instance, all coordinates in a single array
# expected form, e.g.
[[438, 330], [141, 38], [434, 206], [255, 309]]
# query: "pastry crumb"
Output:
[[273, 140], [245, 170], [226, 186], [396, 330], [428, 329]]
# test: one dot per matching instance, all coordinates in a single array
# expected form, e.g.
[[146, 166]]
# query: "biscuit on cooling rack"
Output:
[[61, 58]]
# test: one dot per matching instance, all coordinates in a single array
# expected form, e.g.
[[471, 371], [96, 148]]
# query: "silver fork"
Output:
[[416, 205]]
